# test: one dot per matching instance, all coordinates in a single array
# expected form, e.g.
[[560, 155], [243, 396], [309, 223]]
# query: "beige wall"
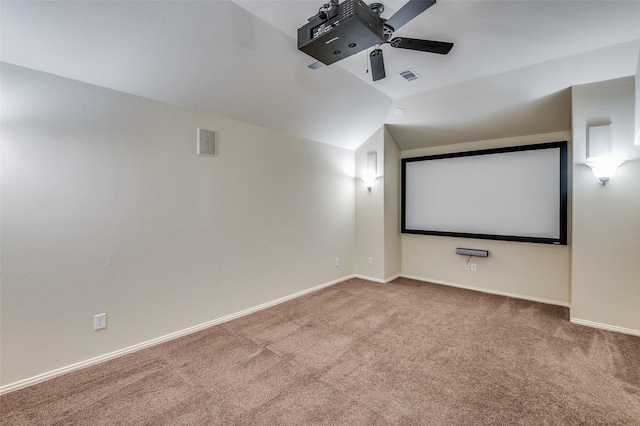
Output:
[[370, 212], [377, 211], [392, 246], [637, 140], [106, 208], [526, 270], [606, 225]]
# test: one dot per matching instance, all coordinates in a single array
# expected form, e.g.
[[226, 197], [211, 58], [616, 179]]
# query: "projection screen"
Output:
[[516, 194]]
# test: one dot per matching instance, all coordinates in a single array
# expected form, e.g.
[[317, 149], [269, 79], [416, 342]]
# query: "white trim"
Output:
[[604, 326], [115, 354], [364, 277], [377, 280], [388, 280], [491, 291]]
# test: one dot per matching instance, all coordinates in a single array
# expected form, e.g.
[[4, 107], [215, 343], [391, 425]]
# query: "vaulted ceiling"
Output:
[[508, 74]]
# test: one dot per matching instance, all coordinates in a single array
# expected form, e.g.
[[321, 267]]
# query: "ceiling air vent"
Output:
[[409, 75]]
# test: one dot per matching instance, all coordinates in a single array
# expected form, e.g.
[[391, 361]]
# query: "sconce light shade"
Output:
[[604, 168], [599, 152], [368, 178], [371, 172]]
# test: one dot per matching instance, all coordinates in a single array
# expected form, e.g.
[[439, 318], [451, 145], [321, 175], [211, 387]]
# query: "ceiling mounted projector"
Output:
[[340, 30]]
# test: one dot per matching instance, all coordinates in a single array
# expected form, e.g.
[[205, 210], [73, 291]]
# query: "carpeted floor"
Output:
[[361, 353]]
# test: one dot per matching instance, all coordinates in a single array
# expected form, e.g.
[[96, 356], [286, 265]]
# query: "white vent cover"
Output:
[[207, 143], [409, 74]]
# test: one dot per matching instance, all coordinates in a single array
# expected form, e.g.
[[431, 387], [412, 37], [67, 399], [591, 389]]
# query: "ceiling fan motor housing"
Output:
[[349, 29]]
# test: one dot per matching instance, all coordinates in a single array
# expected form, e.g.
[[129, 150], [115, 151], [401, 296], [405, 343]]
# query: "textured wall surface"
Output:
[[370, 212], [606, 218], [392, 245], [532, 271], [107, 208]]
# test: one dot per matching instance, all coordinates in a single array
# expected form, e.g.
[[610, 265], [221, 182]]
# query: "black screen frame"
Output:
[[563, 193]]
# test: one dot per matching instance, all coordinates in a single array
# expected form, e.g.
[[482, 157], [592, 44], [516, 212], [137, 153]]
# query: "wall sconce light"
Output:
[[604, 168], [371, 172], [599, 153]]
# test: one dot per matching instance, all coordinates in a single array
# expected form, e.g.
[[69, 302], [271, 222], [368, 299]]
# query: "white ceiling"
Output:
[[507, 75]]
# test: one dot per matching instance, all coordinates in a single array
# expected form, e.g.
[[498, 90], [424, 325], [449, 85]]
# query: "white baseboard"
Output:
[[490, 291], [605, 326], [377, 280], [572, 320], [89, 362], [388, 280], [364, 277]]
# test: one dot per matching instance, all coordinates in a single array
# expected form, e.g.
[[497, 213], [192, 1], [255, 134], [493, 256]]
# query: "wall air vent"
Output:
[[409, 74]]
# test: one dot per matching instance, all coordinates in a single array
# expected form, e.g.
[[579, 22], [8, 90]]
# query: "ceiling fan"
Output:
[[340, 30]]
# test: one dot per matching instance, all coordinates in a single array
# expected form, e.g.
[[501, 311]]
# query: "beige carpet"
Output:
[[361, 353]]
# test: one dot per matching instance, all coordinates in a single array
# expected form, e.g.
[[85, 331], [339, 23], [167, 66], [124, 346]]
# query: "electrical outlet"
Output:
[[100, 321], [473, 267], [337, 263], [370, 260], [466, 266]]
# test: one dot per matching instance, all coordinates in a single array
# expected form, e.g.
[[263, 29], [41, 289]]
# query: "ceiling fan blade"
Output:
[[409, 11], [430, 46], [377, 65], [316, 65]]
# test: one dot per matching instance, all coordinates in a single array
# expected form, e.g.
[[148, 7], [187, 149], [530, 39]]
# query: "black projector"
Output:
[[343, 31]]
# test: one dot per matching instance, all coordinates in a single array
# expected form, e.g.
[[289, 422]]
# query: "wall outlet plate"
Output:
[[100, 321]]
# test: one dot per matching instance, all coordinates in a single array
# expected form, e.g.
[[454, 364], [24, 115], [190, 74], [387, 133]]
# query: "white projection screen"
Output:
[[515, 194]]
